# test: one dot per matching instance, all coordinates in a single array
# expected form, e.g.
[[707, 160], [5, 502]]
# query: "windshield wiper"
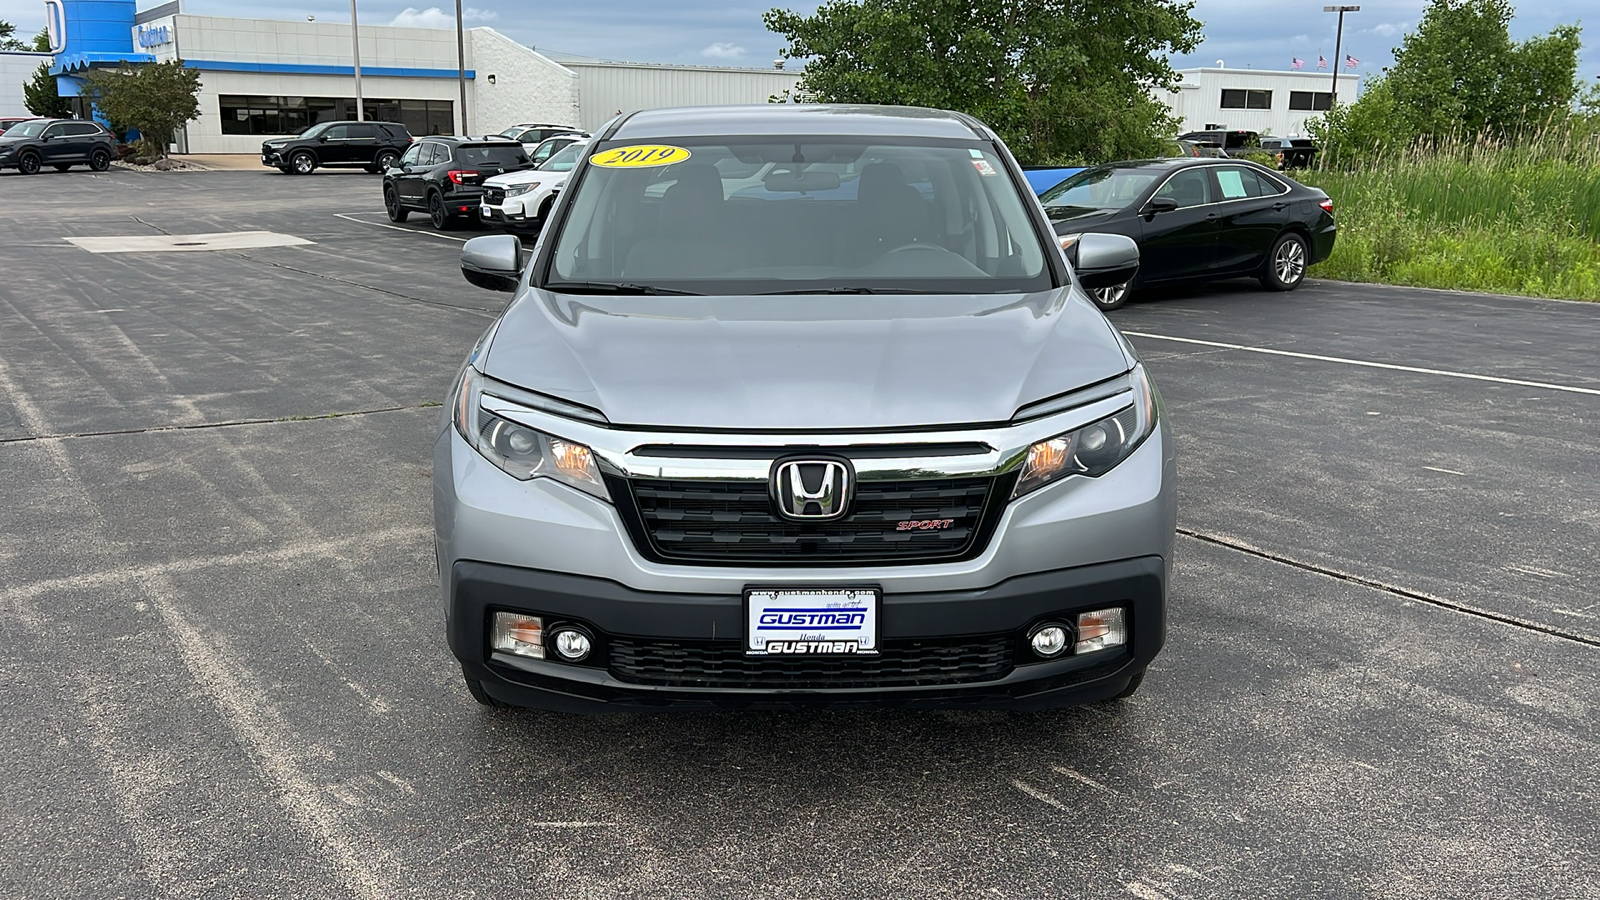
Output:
[[846, 290], [611, 287]]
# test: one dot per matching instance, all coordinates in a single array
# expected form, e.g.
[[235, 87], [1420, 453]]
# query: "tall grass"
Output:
[[1513, 218]]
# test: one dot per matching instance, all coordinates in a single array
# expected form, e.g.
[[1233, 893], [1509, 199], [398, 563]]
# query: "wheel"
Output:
[[436, 211], [303, 163], [391, 203], [28, 164], [61, 167], [386, 161], [475, 688], [1111, 297], [1286, 264], [1128, 691], [100, 160]]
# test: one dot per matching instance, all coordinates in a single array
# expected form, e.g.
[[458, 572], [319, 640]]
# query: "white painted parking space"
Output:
[[433, 234], [181, 243]]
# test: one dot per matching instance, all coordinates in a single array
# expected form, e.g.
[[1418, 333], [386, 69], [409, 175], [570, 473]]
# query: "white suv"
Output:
[[519, 201]]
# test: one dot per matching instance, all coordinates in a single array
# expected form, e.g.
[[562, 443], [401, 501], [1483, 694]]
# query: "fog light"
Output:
[[571, 644], [1100, 630], [519, 634], [1049, 640]]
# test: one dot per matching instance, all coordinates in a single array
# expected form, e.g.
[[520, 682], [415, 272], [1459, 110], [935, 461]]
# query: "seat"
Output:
[[688, 242], [889, 213]]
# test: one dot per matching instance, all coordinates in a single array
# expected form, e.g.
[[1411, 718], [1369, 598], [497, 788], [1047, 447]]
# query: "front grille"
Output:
[[723, 664], [733, 522], [494, 196]]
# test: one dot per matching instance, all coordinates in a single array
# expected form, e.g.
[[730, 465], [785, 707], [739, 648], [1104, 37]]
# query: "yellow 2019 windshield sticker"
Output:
[[639, 156]]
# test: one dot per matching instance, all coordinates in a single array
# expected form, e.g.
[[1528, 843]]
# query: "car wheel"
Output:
[[28, 164], [386, 161], [436, 211], [100, 160], [1110, 298], [303, 163], [61, 167], [1286, 264], [475, 688], [391, 204]]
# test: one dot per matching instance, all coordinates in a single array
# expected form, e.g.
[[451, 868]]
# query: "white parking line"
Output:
[[446, 237], [1369, 364]]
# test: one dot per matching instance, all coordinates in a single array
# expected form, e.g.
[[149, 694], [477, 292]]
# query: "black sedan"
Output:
[[1197, 219]]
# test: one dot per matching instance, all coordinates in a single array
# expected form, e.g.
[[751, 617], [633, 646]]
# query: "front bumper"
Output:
[[1000, 615]]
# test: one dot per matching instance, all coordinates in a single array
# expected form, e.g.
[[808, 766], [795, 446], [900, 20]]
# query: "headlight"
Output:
[[519, 189], [520, 451], [1095, 448]]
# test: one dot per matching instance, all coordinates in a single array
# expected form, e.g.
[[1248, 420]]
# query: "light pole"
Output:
[[355, 49], [1338, 60], [461, 65]]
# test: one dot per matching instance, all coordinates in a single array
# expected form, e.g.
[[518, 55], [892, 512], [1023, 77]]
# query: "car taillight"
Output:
[[1327, 205], [460, 176]]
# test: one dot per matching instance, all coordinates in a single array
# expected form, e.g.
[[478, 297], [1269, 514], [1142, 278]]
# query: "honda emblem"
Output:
[[811, 489]]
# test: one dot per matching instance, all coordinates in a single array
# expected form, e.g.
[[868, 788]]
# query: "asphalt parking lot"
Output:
[[226, 675]]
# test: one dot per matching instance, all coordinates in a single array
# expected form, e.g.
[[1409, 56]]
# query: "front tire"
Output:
[[28, 164], [386, 161], [391, 205], [100, 160], [302, 163], [475, 688], [1286, 264], [1110, 298], [438, 214]]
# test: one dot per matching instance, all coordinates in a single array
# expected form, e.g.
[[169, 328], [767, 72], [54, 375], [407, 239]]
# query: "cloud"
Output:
[[724, 50], [1389, 29], [434, 17]]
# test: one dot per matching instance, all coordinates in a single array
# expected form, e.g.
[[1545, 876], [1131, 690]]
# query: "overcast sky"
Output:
[[722, 32]]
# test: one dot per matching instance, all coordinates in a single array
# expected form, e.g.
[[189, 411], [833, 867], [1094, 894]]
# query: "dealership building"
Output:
[[266, 77], [1256, 100]]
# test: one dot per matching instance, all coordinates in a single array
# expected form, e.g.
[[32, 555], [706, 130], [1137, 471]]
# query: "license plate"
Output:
[[800, 622]]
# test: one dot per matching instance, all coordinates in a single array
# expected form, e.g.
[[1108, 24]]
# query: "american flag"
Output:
[[1322, 62], [1350, 62], [1298, 63]]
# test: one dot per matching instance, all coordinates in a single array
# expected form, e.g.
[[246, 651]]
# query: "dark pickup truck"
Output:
[[1291, 153]]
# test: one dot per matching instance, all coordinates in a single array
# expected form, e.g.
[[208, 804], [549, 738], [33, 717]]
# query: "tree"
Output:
[[155, 98], [41, 41], [1460, 74], [1060, 81], [8, 40], [40, 95]]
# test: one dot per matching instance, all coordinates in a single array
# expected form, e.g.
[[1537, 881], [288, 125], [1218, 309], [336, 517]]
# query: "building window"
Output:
[[1313, 100], [243, 114], [1239, 98]]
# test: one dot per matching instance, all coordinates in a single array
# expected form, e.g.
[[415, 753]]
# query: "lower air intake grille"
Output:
[[723, 664]]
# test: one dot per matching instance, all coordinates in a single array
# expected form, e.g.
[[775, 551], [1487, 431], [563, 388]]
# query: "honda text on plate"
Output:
[[802, 404]]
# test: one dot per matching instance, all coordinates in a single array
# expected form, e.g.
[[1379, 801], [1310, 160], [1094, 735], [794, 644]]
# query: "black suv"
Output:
[[62, 143], [1290, 153], [443, 176], [374, 146]]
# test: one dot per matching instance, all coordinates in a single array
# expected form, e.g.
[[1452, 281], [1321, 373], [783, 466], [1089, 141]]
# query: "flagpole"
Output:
[[1338, 40]]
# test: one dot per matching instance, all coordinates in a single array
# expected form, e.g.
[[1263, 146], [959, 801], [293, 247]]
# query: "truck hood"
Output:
[[524, 176], [833, 362]]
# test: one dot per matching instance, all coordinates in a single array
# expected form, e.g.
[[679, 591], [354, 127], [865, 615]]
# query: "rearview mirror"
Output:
[[1160, 205], [493, 262], [1105, 260], [801, 182]]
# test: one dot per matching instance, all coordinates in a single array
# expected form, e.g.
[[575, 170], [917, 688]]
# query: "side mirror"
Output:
[[322, 139], [1105, 260], [47, 137], [1160, 205], [493, 262]]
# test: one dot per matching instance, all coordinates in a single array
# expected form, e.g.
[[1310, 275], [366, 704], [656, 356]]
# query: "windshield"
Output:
[[503, 155], [564, 159], [315, 130], [1095, 190], [513, 131], [801, 214], [27, 129]]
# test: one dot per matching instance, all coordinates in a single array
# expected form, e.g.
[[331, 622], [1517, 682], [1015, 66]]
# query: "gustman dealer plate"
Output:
[[796, 622]]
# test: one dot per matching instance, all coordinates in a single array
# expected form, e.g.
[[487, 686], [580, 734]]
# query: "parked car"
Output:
[[1197, 219], [1228, 143], [542, 151], [59, 143], [7, 122], [444, 176], [520, 201], [1290, 153], [1178, 147], [534, 133], [729, 450], [374, 146]]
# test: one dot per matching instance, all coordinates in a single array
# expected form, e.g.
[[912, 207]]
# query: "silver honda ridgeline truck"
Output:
[[802, 404]]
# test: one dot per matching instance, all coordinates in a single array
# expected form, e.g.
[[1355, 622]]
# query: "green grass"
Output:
[[1521, 219]]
